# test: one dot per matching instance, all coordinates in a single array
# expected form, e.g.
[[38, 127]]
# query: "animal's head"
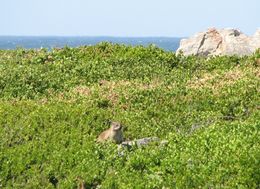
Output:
[[116, 126]]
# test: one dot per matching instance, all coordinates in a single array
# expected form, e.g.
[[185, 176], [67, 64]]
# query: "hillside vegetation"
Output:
[[53, 105]]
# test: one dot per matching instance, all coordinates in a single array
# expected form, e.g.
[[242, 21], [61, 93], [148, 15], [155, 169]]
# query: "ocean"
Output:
[[12, 42]]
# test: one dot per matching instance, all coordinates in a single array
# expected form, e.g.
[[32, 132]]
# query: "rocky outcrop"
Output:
[[255, 40], [138, 143], [220, 42]]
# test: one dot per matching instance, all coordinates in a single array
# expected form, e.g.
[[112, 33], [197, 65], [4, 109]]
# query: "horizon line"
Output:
[[101, 36]]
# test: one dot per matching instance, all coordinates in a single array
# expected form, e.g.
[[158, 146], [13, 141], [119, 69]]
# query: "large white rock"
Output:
[[255, 40], [220, 42]]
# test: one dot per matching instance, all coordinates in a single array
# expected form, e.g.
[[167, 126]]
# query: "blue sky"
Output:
[[174, 18]]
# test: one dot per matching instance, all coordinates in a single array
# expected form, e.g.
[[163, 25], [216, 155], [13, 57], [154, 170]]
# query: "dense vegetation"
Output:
[[53, 104]]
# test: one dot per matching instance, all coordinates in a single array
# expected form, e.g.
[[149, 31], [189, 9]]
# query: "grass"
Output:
[[53, 105]]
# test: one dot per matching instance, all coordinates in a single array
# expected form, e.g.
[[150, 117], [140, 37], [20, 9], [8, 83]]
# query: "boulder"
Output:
[[255, 40], [220, 42]]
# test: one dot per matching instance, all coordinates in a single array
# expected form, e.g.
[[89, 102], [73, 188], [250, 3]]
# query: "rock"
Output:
[[255, 40], [140, 142], [220, 42], [128, 145]]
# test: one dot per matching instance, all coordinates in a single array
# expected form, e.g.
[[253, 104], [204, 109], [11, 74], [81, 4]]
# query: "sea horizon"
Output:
[[53, 41], [113, 36]]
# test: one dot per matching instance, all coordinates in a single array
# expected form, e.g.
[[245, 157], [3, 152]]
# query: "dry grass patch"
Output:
[[216, 81], [113, 90], [122, 84], [82, 90]]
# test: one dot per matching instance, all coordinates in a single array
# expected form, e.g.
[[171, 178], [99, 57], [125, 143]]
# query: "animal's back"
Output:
[[104, 135]]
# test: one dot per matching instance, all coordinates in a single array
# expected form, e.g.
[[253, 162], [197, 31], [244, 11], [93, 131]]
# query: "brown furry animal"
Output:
[[81, 183], [114, 133]]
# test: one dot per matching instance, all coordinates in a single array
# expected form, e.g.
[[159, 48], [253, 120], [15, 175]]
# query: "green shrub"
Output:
[[53, 105]]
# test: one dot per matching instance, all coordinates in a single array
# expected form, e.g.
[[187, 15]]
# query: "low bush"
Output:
[[53, 105]]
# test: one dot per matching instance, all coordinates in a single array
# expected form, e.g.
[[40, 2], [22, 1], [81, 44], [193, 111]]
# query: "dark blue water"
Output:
[[12, 42]]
